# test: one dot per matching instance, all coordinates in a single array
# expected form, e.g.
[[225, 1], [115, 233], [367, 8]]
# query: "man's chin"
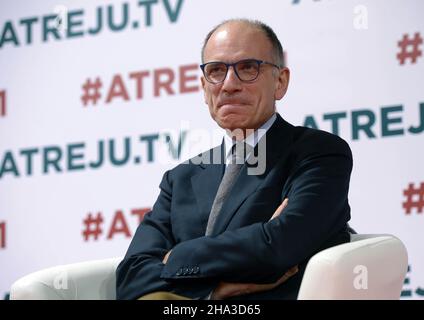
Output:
[[232, 125]]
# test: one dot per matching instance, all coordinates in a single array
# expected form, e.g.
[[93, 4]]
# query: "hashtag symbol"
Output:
[[410, 202], [91, 91], [406, 43], [89, 222]]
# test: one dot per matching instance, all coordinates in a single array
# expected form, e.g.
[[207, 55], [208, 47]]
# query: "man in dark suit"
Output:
[[250, 235]]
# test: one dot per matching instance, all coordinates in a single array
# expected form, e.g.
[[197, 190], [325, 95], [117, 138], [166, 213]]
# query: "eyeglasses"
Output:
[[246, 70]]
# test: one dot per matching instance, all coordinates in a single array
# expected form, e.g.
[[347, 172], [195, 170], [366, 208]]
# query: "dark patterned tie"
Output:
[[238, 152]]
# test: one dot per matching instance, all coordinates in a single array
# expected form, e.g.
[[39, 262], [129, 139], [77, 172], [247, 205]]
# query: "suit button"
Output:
[[196, 270], [191, 270], [179, 272], [186, 271]]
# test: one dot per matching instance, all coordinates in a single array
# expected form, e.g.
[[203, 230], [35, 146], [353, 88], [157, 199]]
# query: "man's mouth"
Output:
[[231, 102], [231, 108]]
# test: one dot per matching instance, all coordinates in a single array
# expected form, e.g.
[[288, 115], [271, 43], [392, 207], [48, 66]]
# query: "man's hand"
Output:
[[280, 208], [228, 289], [165, 258]]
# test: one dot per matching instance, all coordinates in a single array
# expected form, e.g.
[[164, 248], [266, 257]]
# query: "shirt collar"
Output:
[[253, 138]]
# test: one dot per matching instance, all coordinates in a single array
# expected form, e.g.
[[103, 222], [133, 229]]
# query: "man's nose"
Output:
[[231, 82]]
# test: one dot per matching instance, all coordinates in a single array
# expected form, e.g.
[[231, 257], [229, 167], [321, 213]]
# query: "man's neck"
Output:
[[245, 134], [251, 139]]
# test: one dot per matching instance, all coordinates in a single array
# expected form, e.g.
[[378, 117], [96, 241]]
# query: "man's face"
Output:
[[234, 104]]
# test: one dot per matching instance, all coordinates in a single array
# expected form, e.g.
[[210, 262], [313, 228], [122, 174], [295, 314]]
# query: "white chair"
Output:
[[91, 280], [377, 262], [368, 267]]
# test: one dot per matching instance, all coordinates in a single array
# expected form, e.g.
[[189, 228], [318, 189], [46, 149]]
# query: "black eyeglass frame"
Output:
[[228, 65]]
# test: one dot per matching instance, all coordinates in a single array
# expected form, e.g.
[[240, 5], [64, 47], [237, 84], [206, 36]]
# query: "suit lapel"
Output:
[[205, 184], [278, 141]]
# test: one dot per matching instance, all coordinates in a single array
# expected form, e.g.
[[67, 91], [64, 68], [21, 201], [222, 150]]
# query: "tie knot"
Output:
[[239, 152]]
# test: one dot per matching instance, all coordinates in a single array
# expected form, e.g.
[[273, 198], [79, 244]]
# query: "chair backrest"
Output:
[[371, 266]]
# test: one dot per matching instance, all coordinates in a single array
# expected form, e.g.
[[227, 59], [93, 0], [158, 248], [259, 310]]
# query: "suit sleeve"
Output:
[[139, 272], [260, 253]]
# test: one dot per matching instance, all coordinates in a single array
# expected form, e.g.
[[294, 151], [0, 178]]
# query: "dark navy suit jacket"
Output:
[[310, 167]]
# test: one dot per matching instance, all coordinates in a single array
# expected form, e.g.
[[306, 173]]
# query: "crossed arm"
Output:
[[230, 289]]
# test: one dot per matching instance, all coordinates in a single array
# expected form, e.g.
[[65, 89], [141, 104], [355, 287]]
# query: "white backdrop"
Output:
[[55, 151]]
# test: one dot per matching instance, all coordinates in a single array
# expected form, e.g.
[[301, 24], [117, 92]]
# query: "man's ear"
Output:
[[282, 83]]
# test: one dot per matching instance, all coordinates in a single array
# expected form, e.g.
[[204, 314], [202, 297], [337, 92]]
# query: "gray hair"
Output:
[[277, 48]]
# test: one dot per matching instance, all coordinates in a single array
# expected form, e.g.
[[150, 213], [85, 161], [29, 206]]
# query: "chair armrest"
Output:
[[369, 267], [79, 281]]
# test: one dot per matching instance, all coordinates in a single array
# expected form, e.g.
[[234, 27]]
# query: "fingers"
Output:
[[284, 203], [280, 208], [165, 258], [226, 290], [291, 272]]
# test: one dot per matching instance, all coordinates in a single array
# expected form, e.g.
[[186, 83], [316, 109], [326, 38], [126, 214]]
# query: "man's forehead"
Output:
[[236, 28], [237, 38], [221, 34]]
